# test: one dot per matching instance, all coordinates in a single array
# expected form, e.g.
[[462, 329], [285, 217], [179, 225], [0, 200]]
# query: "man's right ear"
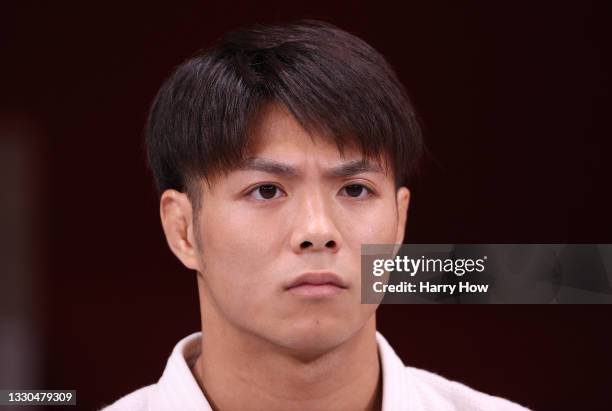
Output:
[[176, 218]]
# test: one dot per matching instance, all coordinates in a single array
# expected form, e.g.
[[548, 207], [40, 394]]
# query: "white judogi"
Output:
[[404, 388]]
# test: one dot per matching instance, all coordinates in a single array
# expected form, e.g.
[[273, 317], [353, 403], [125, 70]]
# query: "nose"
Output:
[[314, 227]]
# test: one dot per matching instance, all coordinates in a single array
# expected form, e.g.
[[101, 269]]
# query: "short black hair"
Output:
[[332, 82]]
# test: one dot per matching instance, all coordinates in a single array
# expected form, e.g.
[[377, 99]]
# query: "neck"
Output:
[[237, 368]]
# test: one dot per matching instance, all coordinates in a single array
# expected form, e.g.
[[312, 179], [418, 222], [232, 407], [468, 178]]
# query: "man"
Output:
[[278, 153]]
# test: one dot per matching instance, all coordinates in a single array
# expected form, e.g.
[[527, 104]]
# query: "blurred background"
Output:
[[515, 102]]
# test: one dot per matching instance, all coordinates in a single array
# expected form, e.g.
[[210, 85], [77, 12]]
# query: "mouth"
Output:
[[317, 284]]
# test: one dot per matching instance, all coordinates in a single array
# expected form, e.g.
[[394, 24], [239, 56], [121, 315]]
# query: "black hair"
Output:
[[332, 82]]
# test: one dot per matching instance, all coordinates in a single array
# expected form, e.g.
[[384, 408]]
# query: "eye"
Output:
[[265, 192], [356, 191]]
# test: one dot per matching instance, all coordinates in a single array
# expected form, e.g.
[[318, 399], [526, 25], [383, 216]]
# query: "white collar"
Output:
[[177, 389]]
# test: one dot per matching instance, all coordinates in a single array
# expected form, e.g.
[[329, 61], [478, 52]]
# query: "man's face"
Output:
[[296, 207]]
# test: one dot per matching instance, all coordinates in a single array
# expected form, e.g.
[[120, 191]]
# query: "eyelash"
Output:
[[250, 192]]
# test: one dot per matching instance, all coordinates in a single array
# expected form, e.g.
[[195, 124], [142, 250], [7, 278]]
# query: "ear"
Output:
[[176, 218], [403, 200]]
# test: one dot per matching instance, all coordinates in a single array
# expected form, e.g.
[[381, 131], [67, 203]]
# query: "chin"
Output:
[[315, 336]]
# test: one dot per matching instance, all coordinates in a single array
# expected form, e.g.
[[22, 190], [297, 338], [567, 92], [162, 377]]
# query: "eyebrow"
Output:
[[347, 169]]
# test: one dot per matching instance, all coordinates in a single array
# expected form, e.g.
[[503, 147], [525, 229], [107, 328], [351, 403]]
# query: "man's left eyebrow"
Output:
[[352, 168]]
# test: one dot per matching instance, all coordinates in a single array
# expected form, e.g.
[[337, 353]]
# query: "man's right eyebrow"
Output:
[[268, 166]]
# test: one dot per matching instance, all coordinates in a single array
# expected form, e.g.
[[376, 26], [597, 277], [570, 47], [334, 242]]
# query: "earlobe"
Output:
[[403, 201], [177, 222]]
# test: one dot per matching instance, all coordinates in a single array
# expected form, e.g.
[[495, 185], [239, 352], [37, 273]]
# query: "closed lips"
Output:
[[318, 278]]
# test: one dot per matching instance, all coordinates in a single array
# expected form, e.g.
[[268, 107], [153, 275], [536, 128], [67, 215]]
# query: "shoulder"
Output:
[[135, 401], [442, 394], [177, 388], [410, 388]]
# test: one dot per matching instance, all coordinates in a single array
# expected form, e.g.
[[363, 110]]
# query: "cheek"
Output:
[[236, 231], [377, 225], [239, 253], [240, 223]]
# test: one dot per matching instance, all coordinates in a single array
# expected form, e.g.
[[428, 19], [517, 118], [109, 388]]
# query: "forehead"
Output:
[[279, 144], [276, 132]]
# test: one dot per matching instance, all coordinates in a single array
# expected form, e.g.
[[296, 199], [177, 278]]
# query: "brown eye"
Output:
[[265, 192], [356, 191]]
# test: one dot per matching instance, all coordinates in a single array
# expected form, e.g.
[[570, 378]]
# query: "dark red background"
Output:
[[515, 101]]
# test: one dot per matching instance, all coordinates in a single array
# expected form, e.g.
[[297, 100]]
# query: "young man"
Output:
[[278, 153]]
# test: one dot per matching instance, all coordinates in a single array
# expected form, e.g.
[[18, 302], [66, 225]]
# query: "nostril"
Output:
[[330, 244], [305, 244]]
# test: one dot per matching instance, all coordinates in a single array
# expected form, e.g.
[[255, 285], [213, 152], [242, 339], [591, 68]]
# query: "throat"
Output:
[[347, 377]]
